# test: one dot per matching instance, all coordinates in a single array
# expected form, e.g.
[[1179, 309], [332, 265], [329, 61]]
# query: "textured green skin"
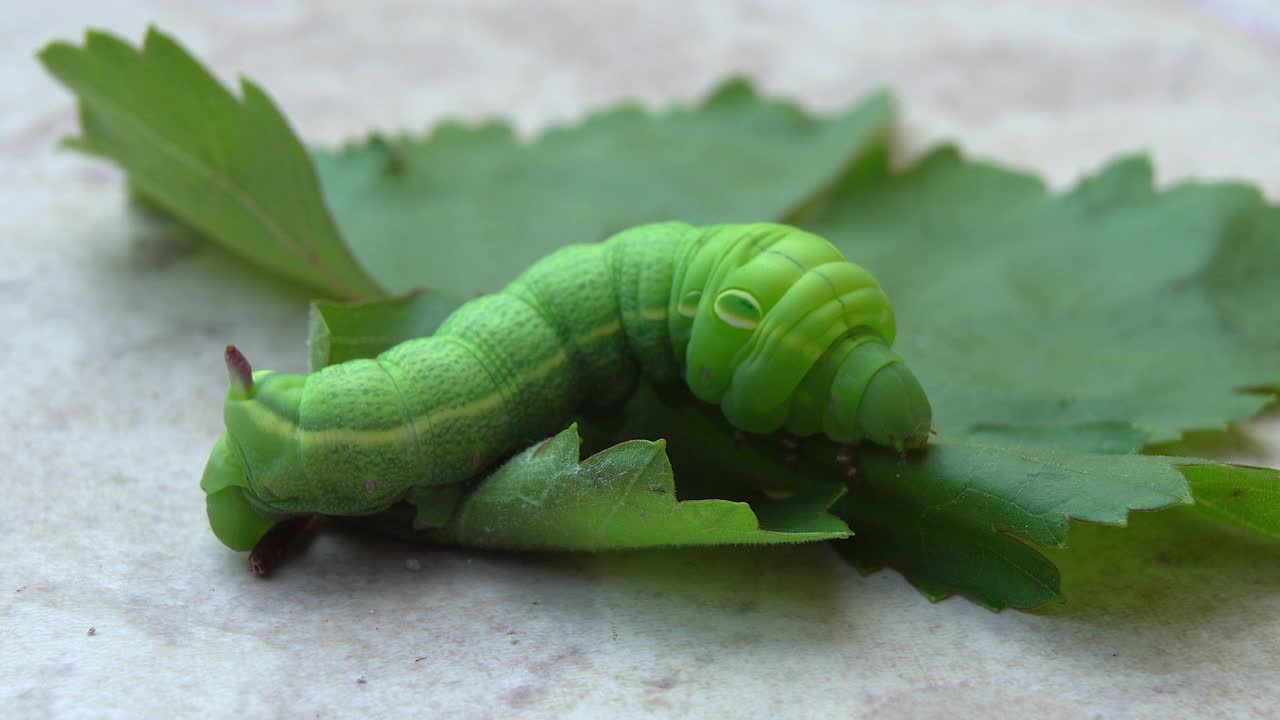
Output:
[[580, 326]]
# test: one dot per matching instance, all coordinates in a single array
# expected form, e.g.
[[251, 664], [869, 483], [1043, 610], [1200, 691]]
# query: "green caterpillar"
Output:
[[770, 322]]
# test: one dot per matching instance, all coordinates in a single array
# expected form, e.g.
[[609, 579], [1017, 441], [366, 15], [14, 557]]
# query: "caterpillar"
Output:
[[770, 322]]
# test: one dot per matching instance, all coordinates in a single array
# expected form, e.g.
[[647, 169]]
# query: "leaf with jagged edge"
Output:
[[1236, 303], [461, 210], [968, 518], [231, 168], [466, 209], [1115, 306], [621, 498]]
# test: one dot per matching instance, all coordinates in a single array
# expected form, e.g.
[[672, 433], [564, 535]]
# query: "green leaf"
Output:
[[468, 208], [962, 517], [623, 497], [1051, 325], [345, 331], [1099, 307], [233, 169], [1247, 497], [967, 518], [462, 210]]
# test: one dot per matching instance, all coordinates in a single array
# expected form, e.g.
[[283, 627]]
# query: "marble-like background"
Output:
[[112, 319]]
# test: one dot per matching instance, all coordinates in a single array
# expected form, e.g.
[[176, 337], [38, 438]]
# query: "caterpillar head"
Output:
[[894, 410]]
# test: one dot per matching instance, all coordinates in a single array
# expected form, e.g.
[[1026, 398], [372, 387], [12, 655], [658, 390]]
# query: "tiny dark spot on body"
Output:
[[420, 659], [1239, 493]]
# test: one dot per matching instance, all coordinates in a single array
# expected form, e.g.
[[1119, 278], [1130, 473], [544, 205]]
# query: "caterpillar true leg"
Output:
[[847, 459], [791, 448]]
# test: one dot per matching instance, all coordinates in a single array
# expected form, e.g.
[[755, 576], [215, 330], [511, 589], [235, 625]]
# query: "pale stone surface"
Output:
[[113, 375]]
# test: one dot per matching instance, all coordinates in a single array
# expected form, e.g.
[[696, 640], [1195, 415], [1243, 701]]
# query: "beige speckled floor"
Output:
[[112, 322]]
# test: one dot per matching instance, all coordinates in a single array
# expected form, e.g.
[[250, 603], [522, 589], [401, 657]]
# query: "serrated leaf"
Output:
[[1018, 308], [468, 208], [1021, 311], [462, 210], [231, 168], [965, 518], [620, 498], [961, 518], [1247, 497]]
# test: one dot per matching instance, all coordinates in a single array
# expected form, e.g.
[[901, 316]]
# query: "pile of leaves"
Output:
[[1061, 337]]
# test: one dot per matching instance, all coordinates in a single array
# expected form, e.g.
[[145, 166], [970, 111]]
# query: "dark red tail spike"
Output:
[[239, 371]]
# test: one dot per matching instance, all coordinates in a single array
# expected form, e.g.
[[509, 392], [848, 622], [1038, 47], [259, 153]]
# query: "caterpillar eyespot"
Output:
[[738, 308], [770, 322]]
